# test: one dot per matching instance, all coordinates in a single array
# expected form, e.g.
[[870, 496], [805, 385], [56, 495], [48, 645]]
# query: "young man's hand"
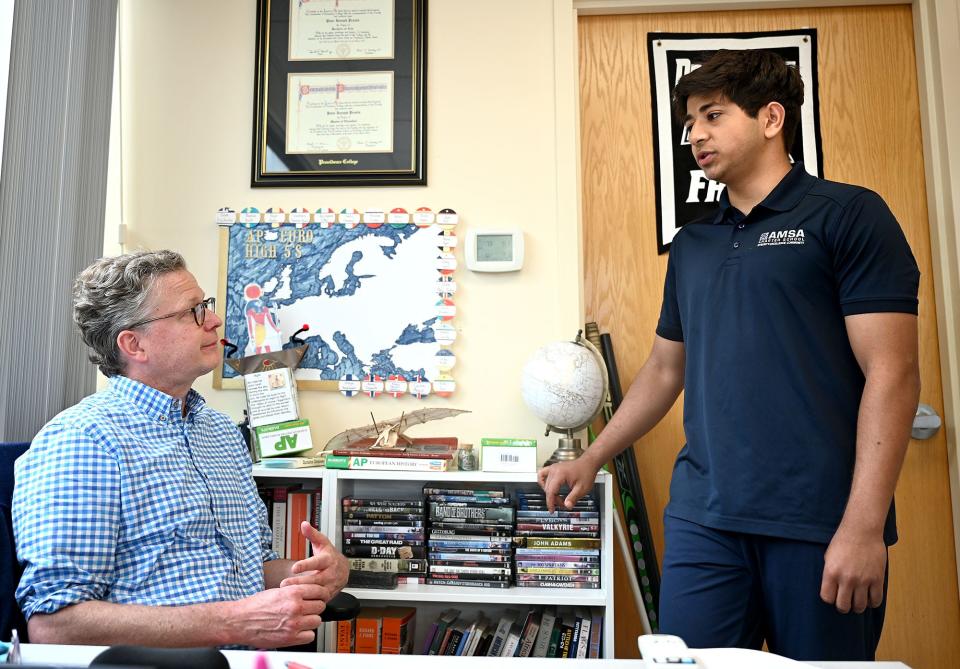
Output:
[[854, 570], [579, 475]]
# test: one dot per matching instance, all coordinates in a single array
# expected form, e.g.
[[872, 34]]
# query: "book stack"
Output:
[[287, 507], [470, 535], [433, 454], [577, 634], [397, 630], [383, 630], [384, 541], [294, 462], [521, 634], [558, 549], [536, 632], [438, 636], [366, 631], [452, 635]]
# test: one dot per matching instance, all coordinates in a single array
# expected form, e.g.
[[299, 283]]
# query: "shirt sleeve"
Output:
[[873, 263], [66, 520], [669, 325], [264, 530]]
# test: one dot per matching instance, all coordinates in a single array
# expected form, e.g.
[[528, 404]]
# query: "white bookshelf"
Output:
[[430, 600]]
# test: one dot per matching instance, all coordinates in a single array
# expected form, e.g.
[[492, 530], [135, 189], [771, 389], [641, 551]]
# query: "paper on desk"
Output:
[[741, 658]]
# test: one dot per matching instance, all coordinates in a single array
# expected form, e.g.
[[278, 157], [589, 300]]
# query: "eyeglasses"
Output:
[[199, 313]]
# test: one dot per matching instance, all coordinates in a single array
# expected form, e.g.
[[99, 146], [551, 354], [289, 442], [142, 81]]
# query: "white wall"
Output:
[[187, 81]]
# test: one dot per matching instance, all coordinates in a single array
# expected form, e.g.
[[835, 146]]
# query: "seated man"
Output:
[[136, 517]]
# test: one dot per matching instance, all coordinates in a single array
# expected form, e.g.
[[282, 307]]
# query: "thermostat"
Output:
[[494, 250]]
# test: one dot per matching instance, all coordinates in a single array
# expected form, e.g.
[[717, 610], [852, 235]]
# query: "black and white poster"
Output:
[[684, 193]]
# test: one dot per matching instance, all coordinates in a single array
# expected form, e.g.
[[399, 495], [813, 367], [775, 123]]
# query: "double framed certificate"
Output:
[[340, 93]]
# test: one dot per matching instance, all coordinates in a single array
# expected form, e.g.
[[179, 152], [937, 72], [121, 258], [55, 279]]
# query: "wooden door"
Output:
[[870, 122]]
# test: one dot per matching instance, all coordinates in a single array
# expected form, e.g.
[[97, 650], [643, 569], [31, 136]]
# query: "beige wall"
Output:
[[187, 79]]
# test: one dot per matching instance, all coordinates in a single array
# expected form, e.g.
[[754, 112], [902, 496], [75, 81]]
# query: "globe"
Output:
[[564, 384]]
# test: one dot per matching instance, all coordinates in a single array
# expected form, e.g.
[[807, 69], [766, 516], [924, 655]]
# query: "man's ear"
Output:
[[130, 347], [773, 117]]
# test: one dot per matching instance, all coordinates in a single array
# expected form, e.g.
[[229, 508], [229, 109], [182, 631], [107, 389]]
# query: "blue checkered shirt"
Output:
[[122, 499]]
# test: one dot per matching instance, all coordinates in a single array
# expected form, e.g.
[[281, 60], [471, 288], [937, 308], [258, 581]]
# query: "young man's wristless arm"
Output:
[[885, 345], [654, 390], [652, 393]]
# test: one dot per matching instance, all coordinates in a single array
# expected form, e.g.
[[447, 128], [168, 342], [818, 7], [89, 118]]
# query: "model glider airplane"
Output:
[[390, 433]]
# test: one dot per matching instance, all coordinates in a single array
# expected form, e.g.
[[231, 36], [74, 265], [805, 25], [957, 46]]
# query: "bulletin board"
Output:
[[377, 298]]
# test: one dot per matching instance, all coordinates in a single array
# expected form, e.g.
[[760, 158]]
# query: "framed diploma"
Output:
[[340, 93]]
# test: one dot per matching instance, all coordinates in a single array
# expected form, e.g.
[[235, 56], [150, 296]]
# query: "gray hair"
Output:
[[111, 294]]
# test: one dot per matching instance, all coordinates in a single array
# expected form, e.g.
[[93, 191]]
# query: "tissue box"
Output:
[[508, 455]]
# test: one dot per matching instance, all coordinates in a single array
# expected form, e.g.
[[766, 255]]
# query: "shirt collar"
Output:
[[154, 403], [784, 196]]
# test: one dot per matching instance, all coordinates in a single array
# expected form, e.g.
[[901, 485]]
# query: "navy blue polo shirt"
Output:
[[772, 388]]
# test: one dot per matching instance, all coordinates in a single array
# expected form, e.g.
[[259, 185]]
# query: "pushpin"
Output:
[[294, 339], [230, 348]]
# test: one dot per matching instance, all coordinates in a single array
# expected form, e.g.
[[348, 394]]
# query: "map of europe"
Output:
[[368, 294]]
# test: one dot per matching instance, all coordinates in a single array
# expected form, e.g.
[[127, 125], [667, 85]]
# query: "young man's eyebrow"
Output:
[[703, 108]]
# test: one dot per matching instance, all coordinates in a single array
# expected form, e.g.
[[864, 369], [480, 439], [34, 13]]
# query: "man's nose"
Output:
[[212, 321], [697, 135]]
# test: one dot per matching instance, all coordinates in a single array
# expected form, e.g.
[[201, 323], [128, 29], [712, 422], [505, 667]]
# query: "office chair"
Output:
[[10, 615]]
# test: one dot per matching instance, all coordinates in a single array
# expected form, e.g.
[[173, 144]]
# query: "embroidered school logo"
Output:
[[781, 238]]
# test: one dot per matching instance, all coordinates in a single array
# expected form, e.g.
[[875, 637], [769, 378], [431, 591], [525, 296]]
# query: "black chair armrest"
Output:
[[342, 607], [161, 658]]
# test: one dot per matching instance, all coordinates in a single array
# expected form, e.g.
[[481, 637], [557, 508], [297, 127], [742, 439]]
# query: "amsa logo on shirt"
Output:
[[781, 238]]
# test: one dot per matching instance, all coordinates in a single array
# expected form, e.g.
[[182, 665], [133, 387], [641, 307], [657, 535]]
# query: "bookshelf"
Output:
[[431, 600]]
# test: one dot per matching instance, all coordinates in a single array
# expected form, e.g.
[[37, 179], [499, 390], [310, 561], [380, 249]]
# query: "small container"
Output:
[[466, 458]]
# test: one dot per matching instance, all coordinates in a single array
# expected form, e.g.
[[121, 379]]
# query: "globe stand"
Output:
[[567, 449]]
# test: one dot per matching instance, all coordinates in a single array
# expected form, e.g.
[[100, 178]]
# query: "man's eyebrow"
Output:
[[704, 107]]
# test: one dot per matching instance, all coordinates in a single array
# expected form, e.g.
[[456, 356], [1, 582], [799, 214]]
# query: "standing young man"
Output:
[[136, 517], [789, 318]]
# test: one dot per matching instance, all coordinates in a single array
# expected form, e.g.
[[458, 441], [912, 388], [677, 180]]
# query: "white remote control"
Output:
[[666, 649]]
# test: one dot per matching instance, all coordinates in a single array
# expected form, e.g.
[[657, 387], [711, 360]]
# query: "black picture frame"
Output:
[[400, 84]]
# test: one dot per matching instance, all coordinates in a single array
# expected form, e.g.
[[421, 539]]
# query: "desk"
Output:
[[80, 656]]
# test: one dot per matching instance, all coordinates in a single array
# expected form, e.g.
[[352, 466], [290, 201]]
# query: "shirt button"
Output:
[[736, 245], [742, 226]]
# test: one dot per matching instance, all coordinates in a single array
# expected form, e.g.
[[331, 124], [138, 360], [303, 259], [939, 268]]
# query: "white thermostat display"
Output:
[[494, 250]]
